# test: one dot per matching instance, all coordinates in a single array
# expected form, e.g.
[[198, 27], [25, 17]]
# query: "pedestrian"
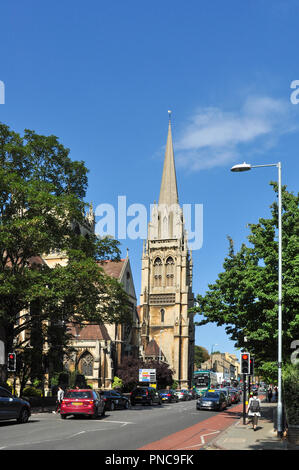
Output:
[[275, 394], [254, 409], [60, 395], [270, 393]]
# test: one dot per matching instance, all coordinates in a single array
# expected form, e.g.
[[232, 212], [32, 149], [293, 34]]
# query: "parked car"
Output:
[[192, 394], [114, 400], [228, 396], [169, 395], [145, 396], [182, 395], [13, 408], [82, 402], [235, 397], [212, 400]]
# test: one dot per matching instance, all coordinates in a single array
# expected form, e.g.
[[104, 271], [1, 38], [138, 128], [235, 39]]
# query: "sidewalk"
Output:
[[242, 437]]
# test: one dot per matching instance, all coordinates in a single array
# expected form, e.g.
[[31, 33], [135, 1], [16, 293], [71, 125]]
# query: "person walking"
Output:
[[270, 393], [254, 409], [60, 395]]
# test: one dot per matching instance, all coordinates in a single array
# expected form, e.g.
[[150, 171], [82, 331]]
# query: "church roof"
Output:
[[89, 332], [113, 268], [152, 349], [168, 190]]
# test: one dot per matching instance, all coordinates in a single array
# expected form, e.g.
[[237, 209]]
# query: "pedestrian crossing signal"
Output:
[[245, 363], [251, 366]]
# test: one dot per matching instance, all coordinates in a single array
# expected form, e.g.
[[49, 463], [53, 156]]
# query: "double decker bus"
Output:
[[203, 380]]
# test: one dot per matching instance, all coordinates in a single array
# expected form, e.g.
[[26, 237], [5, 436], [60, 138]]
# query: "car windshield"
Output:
[[211, 395], [78, 394]]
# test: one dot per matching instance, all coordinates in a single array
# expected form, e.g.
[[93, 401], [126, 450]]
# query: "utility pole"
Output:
[[244, 398]]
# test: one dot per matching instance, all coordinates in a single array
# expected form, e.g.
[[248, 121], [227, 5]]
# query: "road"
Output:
[[131, 429]]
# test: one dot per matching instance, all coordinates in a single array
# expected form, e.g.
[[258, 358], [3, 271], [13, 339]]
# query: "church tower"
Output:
[[167, 330]]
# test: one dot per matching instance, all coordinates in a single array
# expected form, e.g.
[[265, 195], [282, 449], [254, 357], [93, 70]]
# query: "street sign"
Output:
[[147, 375]]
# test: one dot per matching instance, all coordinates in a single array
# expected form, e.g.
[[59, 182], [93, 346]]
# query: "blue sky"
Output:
[[102, 76]]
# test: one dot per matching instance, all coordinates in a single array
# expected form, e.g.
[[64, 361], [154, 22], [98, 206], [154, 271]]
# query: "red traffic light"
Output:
[[11, 356], [244, 356]]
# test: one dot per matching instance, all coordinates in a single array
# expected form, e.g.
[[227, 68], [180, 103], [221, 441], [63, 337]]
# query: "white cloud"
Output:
[[215, 137]]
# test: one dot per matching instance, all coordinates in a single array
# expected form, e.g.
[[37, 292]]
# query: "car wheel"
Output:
[[160, 403], [63, 416], [103, 413], [126, 405], [23, 416], [112, 406], [95, 414]]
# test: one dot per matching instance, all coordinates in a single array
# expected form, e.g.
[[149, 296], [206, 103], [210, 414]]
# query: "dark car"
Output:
[[13, 408], [145, 396], [114, 400], [168, 395], [235, 396], [212, 400], [228, 396], [192, 394], [82, 402]]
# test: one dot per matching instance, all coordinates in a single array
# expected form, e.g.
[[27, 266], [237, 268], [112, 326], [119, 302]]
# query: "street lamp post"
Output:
[[160, 358], [246, 167]]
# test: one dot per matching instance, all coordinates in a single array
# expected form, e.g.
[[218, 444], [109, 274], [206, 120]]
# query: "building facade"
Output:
[[227, 366], [99, 349], [167, 328]]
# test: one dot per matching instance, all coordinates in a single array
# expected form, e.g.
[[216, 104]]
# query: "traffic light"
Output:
[[251, 365], [245, 363], [11, 362]]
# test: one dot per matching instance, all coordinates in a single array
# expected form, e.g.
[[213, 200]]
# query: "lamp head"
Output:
[[241, 167]]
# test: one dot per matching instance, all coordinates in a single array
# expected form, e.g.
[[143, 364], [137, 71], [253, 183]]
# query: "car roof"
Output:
[[81, 390]]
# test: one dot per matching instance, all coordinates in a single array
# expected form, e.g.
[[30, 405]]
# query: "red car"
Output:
[[82, 402]]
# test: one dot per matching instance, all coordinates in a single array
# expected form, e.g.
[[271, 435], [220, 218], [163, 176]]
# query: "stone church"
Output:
[[167, 331]]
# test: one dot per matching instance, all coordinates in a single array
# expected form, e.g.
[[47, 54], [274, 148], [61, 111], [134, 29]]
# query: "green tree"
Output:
[[244, 297], [200, 355], [41, 197]]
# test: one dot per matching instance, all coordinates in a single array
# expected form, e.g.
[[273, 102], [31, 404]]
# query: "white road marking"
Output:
[[202, 440]]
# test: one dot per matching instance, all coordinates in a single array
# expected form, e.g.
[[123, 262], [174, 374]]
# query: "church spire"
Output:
[[168, 190]]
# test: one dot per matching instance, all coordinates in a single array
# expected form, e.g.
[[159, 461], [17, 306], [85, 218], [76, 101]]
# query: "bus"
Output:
[[204, 380]]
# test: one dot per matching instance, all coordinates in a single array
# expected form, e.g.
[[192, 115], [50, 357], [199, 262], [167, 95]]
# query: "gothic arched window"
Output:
[[169, 271], [86, 364], [162, 315], [157, 272]]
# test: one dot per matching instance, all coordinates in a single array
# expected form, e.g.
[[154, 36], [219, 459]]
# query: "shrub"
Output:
[[117, 383], [290, 382], [174, 385], [31, 392]]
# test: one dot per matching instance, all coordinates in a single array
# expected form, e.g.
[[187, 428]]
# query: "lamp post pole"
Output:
[[160, 339], [245, 167]]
